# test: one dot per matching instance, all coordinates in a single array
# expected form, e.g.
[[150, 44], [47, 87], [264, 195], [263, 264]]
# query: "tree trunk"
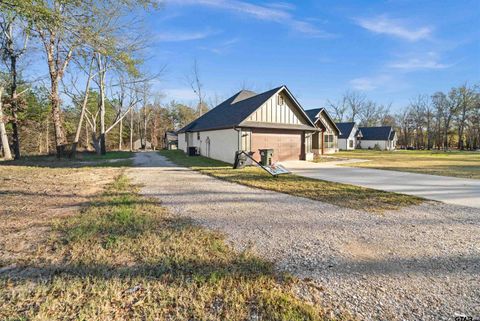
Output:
[[120, 135], [47, 138], [101, 73], [14, 106], [3, 133], [131, 131], [82, 113]]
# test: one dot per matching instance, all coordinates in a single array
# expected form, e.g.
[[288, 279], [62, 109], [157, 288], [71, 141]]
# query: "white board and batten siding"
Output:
[[217, 144], [279, 109]]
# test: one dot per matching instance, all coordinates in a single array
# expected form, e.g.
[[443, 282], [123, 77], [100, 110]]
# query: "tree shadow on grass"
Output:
[[49, 161]]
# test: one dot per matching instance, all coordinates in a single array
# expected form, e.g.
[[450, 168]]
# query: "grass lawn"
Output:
[[111, 159], [124, 257], [329, 192], [455, 163]]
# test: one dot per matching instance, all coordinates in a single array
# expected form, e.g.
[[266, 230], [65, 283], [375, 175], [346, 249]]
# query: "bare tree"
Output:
[[338, 109], [355, 103], [197, 87], [14, 40]]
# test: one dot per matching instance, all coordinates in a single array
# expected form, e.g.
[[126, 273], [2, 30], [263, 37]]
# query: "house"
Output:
[[248, 121], [170, 140], [349, 137], [325, 140], [383, 138]]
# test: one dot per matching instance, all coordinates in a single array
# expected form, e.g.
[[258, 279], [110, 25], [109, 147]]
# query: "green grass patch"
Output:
[[452, 163], [334, 193], [125, 257]]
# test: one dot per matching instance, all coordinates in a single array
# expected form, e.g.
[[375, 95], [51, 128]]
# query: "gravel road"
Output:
[[418, 263]]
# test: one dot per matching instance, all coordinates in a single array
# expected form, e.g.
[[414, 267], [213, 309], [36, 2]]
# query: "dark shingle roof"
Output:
[[345, 129], [376, 133], [231, 112], [312, 114]]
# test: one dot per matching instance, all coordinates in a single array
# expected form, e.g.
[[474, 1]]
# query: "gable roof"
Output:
[[345, 129], [233, 111], [376, 133], [313, 115]]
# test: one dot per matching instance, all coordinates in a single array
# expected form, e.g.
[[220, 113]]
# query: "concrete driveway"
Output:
[[458, 191]]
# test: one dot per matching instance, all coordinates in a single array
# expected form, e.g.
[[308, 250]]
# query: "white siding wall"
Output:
[[223, 144], [182, 144], [383, 144]]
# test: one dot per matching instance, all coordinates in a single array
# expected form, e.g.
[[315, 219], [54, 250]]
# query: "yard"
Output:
[[334, 193], [453, 163], [80, 243]]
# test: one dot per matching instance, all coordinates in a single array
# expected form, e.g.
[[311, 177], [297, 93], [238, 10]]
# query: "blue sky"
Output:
[[390, 50]]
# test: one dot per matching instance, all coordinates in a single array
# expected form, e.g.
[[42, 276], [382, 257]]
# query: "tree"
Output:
[[3, 133], [465, 98], [197, 87], [14, 39]]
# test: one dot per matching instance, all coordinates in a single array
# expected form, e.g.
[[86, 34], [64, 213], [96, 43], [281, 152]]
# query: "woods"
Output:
[[440, 120]]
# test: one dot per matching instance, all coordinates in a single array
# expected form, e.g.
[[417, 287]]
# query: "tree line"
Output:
[[95, 87], [441, 120]]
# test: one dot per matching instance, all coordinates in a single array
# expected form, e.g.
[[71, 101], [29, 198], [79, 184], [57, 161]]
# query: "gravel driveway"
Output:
[[421, 262]]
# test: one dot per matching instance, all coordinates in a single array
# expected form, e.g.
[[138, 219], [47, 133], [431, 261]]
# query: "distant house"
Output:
[[248, 121], [170, 140], [324, 141], [349, 137], [142, 144], [384, 138]]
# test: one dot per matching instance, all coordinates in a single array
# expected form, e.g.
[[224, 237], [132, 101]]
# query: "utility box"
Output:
[[192, 151], [266, 156]]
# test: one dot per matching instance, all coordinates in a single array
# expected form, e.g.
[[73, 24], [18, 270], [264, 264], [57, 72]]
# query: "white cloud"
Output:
[[223, 47], [179, 36], [394, 27], [430, 61], [275, 12], [369, 83]]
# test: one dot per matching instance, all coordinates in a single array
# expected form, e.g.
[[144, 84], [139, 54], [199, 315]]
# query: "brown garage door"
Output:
[[287, 145]]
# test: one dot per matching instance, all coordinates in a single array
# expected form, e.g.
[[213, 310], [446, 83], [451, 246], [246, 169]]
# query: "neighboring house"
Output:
[[170, 140], [325, 141], [248, 121], [349, 137], [141, 144], [384, 138]]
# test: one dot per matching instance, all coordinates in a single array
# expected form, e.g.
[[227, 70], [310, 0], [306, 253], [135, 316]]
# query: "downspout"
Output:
[[239, 140]]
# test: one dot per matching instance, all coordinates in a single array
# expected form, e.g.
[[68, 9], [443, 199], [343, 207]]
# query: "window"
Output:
[[328, 138], [198, 135], [281, 100], [350, 143]]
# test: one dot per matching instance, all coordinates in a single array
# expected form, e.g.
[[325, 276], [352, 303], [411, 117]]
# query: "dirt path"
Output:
[[418, 263]]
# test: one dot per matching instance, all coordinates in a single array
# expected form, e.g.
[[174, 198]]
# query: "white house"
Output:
[[384, 138], [248, 121], [349, 137]]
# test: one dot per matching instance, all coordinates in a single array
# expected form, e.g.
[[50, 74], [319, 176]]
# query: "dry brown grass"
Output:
[[124, 257], [453, 163]]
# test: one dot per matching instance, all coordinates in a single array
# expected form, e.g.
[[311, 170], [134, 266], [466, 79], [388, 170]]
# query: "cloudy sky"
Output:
[[391, 50]]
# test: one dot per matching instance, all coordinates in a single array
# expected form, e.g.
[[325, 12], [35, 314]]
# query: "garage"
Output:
[[287, 144]]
